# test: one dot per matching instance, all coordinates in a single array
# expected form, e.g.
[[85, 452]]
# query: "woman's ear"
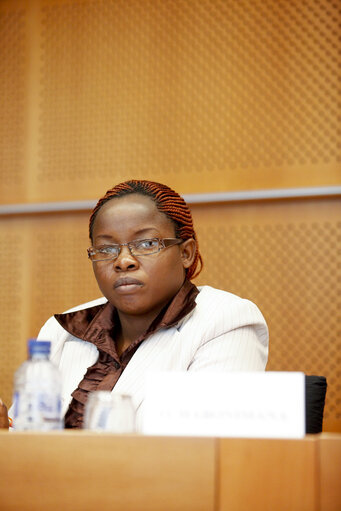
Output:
[[187, 249]]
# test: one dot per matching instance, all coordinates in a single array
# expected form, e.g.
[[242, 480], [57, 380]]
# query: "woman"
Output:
[[144, 254]]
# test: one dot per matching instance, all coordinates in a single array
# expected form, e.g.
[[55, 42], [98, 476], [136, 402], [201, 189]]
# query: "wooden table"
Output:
[[81, 471]]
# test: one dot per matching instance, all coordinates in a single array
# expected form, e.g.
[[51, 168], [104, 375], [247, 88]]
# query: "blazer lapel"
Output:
[[154, 354]]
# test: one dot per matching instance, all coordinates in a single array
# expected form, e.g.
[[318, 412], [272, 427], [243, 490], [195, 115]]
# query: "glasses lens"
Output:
[[103, 253], [145, 247]]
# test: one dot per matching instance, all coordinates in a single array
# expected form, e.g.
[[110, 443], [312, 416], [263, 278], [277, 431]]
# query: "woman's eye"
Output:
[[147, 244], [108, 250]]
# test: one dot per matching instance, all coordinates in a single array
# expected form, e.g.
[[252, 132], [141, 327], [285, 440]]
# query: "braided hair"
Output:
[[168, 202]]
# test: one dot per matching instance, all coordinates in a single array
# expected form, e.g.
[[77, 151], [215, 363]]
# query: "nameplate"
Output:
[[254, 405]]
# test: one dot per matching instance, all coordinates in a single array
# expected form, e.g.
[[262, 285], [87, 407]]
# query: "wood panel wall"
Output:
[[205, 96]]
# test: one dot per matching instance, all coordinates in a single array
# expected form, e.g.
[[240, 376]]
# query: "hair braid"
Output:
[[168, 202]]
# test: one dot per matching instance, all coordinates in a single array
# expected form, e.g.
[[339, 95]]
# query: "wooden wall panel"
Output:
[[284, 256], [44, 270], [14, 47], [61, 272], [14, 299], [206, 95]]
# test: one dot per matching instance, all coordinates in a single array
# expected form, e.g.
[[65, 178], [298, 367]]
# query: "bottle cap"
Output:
[[35, 347]]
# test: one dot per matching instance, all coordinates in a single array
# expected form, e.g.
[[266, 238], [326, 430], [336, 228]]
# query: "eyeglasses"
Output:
[[137, 248]]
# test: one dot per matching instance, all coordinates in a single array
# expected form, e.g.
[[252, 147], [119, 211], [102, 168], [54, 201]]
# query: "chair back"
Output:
[[315, 394]]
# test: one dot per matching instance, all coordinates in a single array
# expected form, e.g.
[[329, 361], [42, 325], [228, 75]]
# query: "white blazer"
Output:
[[222, 333]]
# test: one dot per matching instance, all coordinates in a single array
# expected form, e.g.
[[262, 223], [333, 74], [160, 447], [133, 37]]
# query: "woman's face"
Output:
[[156, 277]]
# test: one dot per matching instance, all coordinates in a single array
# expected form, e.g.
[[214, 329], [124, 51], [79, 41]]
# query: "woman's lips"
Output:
[[125, 284]]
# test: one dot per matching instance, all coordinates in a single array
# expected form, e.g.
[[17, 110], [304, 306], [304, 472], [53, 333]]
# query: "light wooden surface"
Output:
[[80, 471], [77, 471], [330, 472], [268, 475]]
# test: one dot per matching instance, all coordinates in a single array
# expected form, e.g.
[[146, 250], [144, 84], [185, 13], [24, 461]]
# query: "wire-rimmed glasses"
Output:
[[137, 248]]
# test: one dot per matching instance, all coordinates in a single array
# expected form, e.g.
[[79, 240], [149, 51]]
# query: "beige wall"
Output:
[[205, 96]]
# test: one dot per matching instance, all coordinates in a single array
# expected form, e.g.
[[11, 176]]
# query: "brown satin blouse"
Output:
[[98, 325]]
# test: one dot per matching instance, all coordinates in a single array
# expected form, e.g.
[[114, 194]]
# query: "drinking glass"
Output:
[[105, 411]]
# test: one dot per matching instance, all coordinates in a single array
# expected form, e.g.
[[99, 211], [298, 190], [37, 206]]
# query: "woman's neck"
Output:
[[131, 328]]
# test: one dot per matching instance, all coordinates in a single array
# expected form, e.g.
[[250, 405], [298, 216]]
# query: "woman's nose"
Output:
[[125, 260]]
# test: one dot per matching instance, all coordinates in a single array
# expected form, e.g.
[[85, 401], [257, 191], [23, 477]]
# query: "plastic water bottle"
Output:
[[37, 391]]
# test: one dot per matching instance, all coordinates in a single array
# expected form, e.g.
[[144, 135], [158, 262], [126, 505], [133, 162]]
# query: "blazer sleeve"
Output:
[[234, 338]]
